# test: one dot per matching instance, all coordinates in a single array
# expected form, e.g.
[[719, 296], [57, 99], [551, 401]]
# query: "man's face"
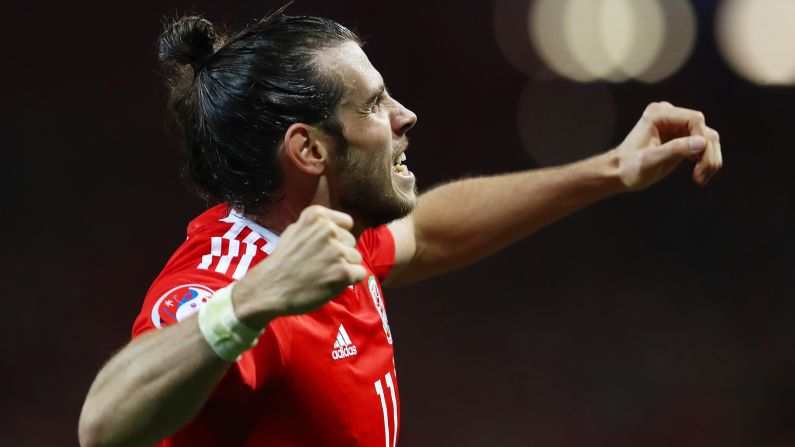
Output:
[[366, 180]]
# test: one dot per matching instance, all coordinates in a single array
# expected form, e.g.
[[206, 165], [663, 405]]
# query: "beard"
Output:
[[365, 191]]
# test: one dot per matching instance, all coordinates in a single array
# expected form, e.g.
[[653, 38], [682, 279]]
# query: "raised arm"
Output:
[[460, 222], [138, 398]]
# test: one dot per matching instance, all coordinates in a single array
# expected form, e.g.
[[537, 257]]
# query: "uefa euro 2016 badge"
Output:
[[372, 284], [179, 303]]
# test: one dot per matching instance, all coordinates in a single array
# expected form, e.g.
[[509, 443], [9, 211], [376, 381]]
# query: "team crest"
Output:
[[372, 284], [179, 303]]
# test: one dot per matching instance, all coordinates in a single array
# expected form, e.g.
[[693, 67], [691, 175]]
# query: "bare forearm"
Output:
[[152, 387], [461, 222], [159, 381]]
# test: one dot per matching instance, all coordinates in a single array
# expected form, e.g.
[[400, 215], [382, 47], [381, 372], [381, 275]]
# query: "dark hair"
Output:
[[234, 98]]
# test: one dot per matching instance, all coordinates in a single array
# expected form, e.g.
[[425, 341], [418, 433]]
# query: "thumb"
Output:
[[677, 149]]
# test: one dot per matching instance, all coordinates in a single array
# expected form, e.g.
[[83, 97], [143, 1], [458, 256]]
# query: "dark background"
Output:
[[656, 318]]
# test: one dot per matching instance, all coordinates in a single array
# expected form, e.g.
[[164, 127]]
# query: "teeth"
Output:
[[400, 159]]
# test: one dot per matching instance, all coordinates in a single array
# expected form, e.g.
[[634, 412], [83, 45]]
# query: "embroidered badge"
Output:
[[179, 303]]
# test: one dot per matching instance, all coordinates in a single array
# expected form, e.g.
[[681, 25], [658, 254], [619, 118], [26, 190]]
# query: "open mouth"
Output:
[[398, 166]]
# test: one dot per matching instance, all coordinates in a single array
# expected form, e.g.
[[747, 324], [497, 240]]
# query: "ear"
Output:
[[305, 149]]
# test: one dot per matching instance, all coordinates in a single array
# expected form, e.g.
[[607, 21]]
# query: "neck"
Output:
[[285, 210]]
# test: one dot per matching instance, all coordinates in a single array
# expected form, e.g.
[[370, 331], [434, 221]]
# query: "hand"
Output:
[[664, 136], [315, 260]]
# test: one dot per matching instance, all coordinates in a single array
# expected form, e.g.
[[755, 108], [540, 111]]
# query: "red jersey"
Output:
[[326, 378]]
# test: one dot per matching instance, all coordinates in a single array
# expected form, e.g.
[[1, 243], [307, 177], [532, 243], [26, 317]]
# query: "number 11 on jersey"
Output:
[[379, 390]]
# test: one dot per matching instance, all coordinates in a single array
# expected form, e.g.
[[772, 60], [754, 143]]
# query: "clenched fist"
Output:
[[315, 260]]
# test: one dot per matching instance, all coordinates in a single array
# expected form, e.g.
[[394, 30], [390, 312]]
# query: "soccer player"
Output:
[[268, 326]]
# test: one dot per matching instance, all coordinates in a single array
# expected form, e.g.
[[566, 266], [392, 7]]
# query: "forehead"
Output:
[[348, 63]]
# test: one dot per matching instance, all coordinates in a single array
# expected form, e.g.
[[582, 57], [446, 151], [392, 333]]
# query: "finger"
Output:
[[675, 150], [343, 235], [350, 254], [356, 273], [315, 212], [712, 160], [339, 218], [310, 214], [668, 117]]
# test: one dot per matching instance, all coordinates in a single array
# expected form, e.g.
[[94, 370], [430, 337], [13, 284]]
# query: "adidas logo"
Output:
[[343, 347]]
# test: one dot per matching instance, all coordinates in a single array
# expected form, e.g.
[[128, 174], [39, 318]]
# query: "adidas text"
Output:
[[343, 346], [343, 352]]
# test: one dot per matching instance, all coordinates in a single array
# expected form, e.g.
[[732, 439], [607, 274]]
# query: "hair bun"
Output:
[[187, 41]]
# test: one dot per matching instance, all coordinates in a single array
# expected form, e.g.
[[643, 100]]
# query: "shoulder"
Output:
[[223, 242], [220, 248], [377, 246]]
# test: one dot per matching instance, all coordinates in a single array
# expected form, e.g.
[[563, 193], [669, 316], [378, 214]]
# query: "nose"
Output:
[[403, 119]]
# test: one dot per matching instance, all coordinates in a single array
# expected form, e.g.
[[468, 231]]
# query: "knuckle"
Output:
[[355, 274], [320, 228], [643, 158], [652, 111], [338, 271], [327, 230], [700, 118], [345, 273], [311, 212], [352, 273], [344, 239]]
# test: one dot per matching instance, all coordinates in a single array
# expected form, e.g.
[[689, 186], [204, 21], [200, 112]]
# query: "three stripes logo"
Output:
[[343, 346], [233, 253]]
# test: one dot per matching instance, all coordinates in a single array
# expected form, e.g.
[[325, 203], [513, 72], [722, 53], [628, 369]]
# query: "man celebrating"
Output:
[[268, 325]]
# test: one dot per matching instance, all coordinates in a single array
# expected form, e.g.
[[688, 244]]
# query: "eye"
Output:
[[377, 102]]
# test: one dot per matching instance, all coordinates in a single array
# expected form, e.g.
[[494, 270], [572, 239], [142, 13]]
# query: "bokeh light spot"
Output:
[[586, 40], [679, 37], [545, 25], [755, 37]]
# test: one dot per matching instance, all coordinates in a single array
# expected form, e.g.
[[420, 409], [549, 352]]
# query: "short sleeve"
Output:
[[177, 296], [377, 247]]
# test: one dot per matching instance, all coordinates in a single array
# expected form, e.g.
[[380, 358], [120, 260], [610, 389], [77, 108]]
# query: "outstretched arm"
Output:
[[460, 222]]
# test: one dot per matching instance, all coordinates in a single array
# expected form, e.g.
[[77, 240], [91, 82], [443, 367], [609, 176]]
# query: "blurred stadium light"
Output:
[[755, 37], [679, 39], [613, 40]]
